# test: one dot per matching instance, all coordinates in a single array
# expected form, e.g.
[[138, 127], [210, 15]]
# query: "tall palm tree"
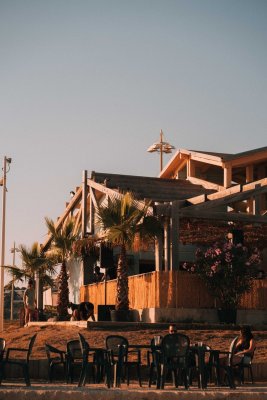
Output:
[[62, 241], [34, 265], [122, 223]]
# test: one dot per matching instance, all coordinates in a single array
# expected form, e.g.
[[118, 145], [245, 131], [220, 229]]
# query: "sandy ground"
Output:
[[58, 336]]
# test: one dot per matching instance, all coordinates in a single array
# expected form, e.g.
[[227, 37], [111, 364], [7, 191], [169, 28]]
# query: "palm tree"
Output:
[[122, 223], [34, 265], [62, 241]]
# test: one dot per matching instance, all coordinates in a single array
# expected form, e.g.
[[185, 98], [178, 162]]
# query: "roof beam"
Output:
[[72, 204], [224, 216]]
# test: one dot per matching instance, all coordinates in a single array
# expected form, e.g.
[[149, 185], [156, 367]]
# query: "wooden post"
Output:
[[158, 254], [84, 204], [191, 171], [249, 178], [174, 236], [91, 212], [227, 176], [166, 243], [257, 203]]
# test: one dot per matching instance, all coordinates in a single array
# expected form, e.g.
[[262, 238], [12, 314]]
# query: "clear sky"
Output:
[[89, 84]]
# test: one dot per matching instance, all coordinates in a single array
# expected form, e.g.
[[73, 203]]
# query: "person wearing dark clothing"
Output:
[[82, 311], [245, 345], [86, 310]]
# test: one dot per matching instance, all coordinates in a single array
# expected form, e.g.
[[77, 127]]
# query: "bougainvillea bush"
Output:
[[228, 271]]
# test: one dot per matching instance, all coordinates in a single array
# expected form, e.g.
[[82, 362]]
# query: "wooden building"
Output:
[[194, 186]]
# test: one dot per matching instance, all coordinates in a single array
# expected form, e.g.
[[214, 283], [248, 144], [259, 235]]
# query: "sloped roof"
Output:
[[229, 156], [152, 188], [258, 155]]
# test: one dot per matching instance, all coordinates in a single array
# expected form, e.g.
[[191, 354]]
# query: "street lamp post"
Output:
[[13, 251], [7, 161], [161, 147]]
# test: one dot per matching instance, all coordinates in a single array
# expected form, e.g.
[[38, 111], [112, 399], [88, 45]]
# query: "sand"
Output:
[[58, 336]]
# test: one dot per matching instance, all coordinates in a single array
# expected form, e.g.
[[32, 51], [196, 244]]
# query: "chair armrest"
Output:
[[10, 349], [54, 349]]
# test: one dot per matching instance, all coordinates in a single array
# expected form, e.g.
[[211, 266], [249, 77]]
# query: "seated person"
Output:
[[172, 329], [82, 311], [245, 345]]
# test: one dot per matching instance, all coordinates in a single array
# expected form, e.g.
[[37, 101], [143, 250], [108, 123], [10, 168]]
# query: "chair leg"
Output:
[[162, 376], [26, 375], [151, 370], [251, 374]]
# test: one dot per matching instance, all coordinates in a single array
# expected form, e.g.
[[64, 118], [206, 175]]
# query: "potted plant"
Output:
[[228, 271]]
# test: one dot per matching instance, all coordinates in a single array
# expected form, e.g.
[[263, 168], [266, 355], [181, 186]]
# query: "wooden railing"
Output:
[[170, 289]]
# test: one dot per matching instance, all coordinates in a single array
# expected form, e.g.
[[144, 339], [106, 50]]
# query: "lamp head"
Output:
[[8, 160]]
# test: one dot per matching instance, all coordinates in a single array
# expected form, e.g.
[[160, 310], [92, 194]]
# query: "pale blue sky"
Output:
[[89, 85]]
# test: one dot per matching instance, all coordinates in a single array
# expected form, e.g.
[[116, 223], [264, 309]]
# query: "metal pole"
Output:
[[3, 250], [161, 150], [13, 250]]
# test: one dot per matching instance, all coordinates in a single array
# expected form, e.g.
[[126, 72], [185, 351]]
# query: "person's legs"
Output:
[[91, 314], [75, 315], [31, 314], [27, 314]]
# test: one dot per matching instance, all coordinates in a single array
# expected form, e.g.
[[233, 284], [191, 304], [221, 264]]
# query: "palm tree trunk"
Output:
[[122, 300], [63, 292]]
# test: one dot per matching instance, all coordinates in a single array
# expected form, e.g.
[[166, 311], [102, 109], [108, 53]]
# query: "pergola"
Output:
[[174, 201]]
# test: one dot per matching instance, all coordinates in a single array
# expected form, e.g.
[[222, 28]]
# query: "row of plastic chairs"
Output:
[[176, 355], [98, 363], [116, 359]]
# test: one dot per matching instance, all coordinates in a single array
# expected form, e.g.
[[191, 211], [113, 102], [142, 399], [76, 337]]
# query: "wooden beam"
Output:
[[232, 198], [249, 158], [84, 204], [78, 220], [103, 189], [226, 216], [205, 184], [72, 204]]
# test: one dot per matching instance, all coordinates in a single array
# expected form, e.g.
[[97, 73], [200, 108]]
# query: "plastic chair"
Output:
[[22, 362], [2, 352], [55, 357], [118, 349], [74, 358], [153, 361], [216, 363], [174, 357], [245, 364], [100, 363]]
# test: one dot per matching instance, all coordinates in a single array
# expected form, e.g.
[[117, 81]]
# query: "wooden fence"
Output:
[[170, 289]]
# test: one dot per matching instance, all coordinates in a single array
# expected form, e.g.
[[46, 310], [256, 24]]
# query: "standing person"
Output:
[[29, 302]]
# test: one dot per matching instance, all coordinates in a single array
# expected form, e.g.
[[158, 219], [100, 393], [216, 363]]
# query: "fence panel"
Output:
[[170, 289]]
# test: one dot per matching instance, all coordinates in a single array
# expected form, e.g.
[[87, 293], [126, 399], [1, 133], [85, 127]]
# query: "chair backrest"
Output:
[[31, 343], [84, 345], [74, 349], [175, 345], [115, 343], [152, 342], [232, 349], [2, 348]]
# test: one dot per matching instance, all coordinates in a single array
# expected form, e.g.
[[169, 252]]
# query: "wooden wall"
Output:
[[170, 290]]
